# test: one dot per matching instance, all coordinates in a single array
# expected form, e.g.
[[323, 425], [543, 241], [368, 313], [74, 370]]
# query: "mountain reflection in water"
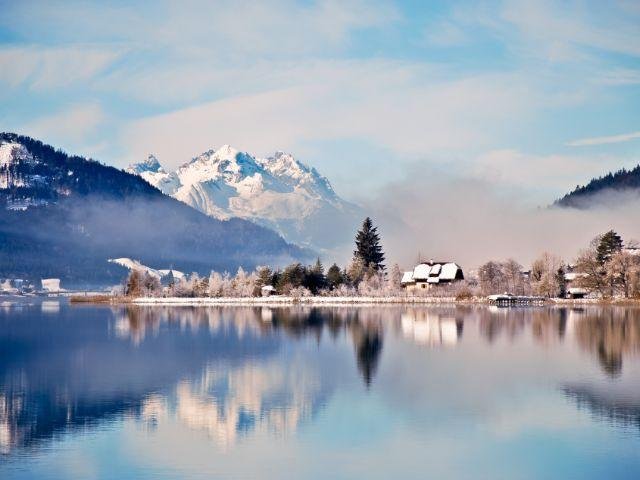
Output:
[[236, 373]]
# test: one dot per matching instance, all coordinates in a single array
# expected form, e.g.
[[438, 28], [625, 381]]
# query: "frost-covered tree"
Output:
[[373, 285], [134, 286], [243, 283], [623, 270], [300, 291], [216, 284], [227, 285], [514, 279], [151, 285], [356, 270], [594, 277], [393, 280], [491, 278], [183, 287], [545, 278]]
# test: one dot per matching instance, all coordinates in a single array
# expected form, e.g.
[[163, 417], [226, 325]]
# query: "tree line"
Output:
[[366, 274], [604, 267]]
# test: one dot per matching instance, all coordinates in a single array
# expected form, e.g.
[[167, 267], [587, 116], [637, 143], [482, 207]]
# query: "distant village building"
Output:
[[571, 279], [427, 275], [267, 290], [51, 285]]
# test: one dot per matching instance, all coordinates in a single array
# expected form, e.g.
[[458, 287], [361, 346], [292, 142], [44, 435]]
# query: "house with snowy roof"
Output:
[[427, 275]]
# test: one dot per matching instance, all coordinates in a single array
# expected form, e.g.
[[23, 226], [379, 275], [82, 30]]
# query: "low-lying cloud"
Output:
[[470, 222]]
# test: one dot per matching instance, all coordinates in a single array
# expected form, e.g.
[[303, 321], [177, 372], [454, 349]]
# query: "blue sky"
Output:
[[532, 97]]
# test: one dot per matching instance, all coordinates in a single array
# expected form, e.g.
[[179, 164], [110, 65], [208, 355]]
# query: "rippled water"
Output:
[[429, 392]]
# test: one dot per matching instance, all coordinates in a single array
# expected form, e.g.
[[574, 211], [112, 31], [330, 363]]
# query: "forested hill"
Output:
[[619, 182], [65, 216]]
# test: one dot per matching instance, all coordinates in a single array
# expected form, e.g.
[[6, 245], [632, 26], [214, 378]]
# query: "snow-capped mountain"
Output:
[[63, 216], [278, 191]]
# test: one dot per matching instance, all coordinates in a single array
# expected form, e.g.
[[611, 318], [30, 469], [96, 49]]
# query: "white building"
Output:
[[427, 275], [267, 290], [51, 285], [571, 279]]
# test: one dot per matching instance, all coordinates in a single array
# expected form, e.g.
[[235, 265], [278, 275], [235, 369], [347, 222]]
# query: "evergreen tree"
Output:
[[368, 246], [169, 280], [335, 277], [293, 276], [315, 279], [265, 276], [609, 244], [318, 268]]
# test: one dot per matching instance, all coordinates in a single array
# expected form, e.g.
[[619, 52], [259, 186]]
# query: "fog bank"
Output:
[[470, 221]]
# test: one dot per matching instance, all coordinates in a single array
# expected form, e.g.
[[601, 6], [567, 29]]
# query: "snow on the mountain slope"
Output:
[[136, 265], [12, 152], [279, 192], [153, 173], [295, 173]]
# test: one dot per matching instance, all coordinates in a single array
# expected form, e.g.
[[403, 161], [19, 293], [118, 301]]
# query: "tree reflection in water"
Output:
[[216, 369]]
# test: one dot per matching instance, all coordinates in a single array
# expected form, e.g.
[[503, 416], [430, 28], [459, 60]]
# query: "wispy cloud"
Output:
[[316, 75], [40, 68], [404, 108], [78, 128], [584, 142]]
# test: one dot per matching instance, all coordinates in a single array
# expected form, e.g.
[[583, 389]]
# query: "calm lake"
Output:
[[328, 393]]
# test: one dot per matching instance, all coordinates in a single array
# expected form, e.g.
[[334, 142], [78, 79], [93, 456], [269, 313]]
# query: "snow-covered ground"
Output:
[[282, 300], [136, 265]]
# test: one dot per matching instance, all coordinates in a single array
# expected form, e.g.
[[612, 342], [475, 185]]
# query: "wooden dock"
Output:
[[507, 300]]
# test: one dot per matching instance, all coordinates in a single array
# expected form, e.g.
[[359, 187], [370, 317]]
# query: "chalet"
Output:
[[427, 275], [268, 290], [572, 283]]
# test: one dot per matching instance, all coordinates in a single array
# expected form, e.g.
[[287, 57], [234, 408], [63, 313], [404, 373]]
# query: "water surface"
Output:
[[351, 392]]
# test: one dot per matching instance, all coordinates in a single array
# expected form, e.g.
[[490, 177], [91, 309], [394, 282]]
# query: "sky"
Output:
[[522, 100]]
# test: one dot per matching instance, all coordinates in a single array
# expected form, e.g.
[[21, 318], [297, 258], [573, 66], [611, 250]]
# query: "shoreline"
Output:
[[285, 301], [332, 301]]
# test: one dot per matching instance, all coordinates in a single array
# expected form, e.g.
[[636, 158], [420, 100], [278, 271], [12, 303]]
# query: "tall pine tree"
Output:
[[609, 244], [368, 247]]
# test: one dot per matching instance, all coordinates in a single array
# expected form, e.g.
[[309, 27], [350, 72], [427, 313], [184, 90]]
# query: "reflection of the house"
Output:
[[426, 327]]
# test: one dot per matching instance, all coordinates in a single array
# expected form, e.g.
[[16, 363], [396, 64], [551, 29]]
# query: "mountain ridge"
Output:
[[279, 192], [589, 195], [65, 216]]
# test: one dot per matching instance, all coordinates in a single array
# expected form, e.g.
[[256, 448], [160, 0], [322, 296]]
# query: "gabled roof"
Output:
[[449, 271], [407, 277], [422, 271], [438, 271]]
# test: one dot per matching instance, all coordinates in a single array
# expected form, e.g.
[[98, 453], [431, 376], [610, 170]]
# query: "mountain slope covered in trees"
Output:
[[65, 216], [594, 193]]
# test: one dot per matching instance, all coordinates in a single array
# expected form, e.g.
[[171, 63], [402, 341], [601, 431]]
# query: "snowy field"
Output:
[[282, 300]]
